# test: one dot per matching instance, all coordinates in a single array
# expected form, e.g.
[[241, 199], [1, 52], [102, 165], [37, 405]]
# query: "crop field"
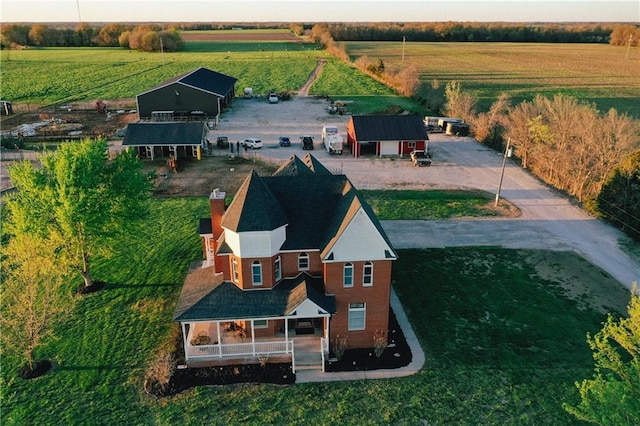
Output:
[[46, 76], [240, 35], [595, 73]]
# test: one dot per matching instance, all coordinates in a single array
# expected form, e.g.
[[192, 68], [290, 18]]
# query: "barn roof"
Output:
[[377, 128], [202, 79], [164, 133]]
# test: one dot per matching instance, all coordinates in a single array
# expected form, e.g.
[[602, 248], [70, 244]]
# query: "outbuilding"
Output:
[[199, 95], [172, 139], [386, 135]]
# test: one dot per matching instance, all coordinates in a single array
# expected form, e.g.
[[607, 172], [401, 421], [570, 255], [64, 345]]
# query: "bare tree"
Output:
[[488, 126], [458, 103]]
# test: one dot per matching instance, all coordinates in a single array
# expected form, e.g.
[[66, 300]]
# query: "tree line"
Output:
[[475, 31], [146, 37]]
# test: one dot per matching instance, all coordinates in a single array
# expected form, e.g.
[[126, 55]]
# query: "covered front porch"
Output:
[[245, 341]]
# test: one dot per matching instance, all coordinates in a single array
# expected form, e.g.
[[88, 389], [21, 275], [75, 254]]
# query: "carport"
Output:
[[166, 139]]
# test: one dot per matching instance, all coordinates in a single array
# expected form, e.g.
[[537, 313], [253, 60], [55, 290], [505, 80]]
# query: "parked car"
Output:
[[253, 143], [420, 158], [222, 142], [285, 141], [273, 98], [307, 142]]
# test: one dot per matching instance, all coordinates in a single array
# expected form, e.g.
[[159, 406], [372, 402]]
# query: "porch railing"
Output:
[[240, 349], [324, 349]]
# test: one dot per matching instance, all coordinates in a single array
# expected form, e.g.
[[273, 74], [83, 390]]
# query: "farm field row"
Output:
[[48, 76], [596, 73], [601, 74]]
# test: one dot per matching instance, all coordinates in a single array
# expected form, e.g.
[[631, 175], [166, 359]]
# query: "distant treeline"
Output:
[[147, 36], [485, 32]]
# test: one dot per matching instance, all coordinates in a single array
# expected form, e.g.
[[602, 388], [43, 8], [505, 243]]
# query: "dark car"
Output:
[[307, 142], [285, 141], [222, 142]]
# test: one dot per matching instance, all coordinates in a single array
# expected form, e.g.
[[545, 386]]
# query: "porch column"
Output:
[[286, 328], [185, 341], [219, 339], [253, 339]]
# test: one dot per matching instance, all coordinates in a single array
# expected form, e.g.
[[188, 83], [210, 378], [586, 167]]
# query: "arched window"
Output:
[[256, 272], [347, 276], [277, 268], [303, 262], [367, 274], [234, 270]]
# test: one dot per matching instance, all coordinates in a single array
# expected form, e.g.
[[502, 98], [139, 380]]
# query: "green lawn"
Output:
[[503, 340], [424, 205], [46, 76]]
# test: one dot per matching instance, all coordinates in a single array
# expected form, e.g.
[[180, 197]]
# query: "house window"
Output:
[[260, 324], [256, 272], [277, 268], [303, 262], [357, 314], [412, 145], [367, 274], [347, 276], [234, 270]]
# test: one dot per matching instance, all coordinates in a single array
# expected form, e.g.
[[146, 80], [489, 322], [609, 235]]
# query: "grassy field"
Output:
[[46, 76], [592, 73], [36, 77], [503, 331], [425, 205], [595, 73]]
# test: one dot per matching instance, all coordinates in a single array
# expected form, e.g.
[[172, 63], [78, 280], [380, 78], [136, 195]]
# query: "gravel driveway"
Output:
[[548, 220]]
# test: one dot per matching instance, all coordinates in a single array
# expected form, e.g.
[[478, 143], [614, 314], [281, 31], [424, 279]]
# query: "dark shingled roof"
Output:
[[254, 208], [380, 128], [308, 166], [204, 79], [164, 133], [314, 204], [226, 301], [205, 226]]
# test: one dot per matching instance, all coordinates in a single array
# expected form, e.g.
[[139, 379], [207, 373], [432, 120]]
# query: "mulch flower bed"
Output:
[[396, 355]]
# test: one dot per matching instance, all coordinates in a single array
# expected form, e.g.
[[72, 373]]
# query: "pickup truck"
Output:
[[420, 158]]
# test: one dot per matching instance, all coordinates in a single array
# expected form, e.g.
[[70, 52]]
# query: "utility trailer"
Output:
[[332, 139]]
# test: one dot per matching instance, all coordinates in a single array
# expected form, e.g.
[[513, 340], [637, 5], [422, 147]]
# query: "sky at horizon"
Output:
[[627, 11]]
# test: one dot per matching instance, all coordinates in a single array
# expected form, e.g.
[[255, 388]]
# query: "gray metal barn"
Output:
[[199, 95]]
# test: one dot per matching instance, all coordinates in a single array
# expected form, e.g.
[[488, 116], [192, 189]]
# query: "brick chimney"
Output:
[[216, 201]]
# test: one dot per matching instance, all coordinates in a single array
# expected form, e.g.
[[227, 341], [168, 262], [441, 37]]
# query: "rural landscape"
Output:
[[538, 334]]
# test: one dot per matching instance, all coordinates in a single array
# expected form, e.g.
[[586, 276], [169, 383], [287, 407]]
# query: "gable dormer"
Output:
[[355, 233]]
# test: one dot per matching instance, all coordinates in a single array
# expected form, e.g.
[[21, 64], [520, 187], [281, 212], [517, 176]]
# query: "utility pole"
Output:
[[404, 39], [507, 153], [162, 50]]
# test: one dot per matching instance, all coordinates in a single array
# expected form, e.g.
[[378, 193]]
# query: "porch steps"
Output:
[[307, 354]]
